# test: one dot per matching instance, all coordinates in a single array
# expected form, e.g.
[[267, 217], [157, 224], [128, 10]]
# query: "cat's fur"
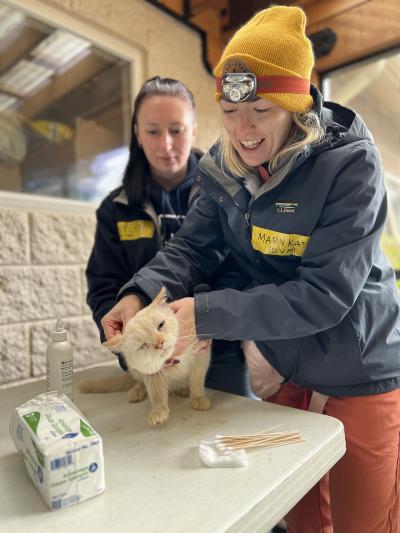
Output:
[[148, 343]]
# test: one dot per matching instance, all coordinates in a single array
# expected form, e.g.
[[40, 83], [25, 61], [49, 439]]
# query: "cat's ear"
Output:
[[114, 343], [161, 297]]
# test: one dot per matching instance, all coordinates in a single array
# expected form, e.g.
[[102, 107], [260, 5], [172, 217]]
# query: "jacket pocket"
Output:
[[331, 357], [373, 316]]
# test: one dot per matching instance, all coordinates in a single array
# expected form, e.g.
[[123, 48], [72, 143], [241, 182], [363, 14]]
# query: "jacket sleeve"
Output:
[[335, 266], [191, 257], [107, 269]]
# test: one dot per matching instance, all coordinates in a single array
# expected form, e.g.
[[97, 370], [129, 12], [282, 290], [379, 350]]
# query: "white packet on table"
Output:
[[62, 453]]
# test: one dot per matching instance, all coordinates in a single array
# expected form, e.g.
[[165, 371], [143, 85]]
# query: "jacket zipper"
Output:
[[149, 210], [222, 189], [246, 214], [248, 225]]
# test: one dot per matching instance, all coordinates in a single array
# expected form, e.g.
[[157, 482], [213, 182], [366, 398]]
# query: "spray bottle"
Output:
[[59, 365]]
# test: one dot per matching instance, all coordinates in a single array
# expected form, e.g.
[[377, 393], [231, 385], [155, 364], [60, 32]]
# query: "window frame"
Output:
[[106, 40], [365, 60]]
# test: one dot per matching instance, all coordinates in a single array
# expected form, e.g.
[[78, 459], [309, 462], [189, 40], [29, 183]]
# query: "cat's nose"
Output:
[[159, 343]]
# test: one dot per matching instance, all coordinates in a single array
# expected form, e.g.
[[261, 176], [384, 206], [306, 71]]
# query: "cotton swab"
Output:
[[228, 450], [255, 438], [229, 443]]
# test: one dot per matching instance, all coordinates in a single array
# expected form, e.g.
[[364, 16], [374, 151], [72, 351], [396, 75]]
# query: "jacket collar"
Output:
[[195, 155]]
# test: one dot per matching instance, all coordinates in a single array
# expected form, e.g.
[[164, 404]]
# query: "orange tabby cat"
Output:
[[148, 343]]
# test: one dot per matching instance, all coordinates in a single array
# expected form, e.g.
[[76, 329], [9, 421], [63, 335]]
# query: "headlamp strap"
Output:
[[277, 84]]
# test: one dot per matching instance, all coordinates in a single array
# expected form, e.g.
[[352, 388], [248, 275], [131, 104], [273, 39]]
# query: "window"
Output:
[[372, 88], [64, 110]]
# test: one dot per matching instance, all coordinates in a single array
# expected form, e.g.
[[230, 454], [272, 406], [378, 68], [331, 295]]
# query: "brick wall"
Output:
[[43, 256]]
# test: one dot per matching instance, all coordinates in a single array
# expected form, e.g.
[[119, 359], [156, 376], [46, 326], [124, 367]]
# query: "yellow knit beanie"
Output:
[[274, 47]]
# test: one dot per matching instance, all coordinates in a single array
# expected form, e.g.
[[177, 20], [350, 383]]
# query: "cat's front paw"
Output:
[[158, 416], [137, 394], [201, 403]]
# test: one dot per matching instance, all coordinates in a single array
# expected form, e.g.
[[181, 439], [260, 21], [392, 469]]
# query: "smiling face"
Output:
[[165, 129], [257, 129]]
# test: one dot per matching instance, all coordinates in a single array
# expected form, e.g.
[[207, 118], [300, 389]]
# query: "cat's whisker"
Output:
[[190, 338], [181, 320], [155, 376], [163, 373], [200, 336], [149, 363], [153, 383], [201, 325], [149, 385]]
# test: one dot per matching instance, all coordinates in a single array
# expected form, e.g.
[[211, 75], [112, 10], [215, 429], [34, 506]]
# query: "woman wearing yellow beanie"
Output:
[[294, 191]]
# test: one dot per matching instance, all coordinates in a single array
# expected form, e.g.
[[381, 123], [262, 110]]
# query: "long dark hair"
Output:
[[137, 169]]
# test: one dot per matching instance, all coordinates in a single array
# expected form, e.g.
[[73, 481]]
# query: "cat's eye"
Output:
[[143, 346], [161, 325]]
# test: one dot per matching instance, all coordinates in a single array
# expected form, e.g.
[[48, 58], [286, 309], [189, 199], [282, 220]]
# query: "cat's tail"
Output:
[[120, 383]]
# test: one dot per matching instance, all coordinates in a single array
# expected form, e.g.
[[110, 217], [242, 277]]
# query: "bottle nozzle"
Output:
[[59, 333]]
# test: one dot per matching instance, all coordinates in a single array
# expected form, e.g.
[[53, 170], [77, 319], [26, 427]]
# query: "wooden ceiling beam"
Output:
[[19, 47], [367, 28], [177, 6], [62, 84], [318, 11], [90, 98], [240, 11]]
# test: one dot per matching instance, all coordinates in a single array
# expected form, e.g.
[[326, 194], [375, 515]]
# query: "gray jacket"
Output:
[[322, 303]]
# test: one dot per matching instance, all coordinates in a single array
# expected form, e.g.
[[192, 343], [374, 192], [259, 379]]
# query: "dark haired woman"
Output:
[[135, 220]]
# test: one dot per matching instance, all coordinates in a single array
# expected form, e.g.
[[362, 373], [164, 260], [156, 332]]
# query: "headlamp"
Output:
[[239, 87]]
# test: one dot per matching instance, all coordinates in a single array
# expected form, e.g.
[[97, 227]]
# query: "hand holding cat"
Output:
[[115, 320], [184, 310]]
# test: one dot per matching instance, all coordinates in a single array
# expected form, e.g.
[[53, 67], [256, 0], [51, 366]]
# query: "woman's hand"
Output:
[[115, 320], [184, 310]]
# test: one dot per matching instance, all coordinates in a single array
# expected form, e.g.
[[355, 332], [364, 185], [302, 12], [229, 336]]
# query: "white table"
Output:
[[155, 481]]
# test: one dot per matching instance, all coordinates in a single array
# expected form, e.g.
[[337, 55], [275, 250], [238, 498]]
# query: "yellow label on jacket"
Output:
[[271, 242], [131, 230]]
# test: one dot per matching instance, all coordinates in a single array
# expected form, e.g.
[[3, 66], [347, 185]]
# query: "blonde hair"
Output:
[[307, 130]]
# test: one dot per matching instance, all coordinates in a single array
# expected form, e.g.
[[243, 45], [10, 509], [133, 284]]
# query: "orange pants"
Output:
[[360, 494]]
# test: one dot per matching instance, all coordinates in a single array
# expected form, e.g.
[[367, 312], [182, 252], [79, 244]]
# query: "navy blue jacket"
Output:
[[129, 235], [322, 304]]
